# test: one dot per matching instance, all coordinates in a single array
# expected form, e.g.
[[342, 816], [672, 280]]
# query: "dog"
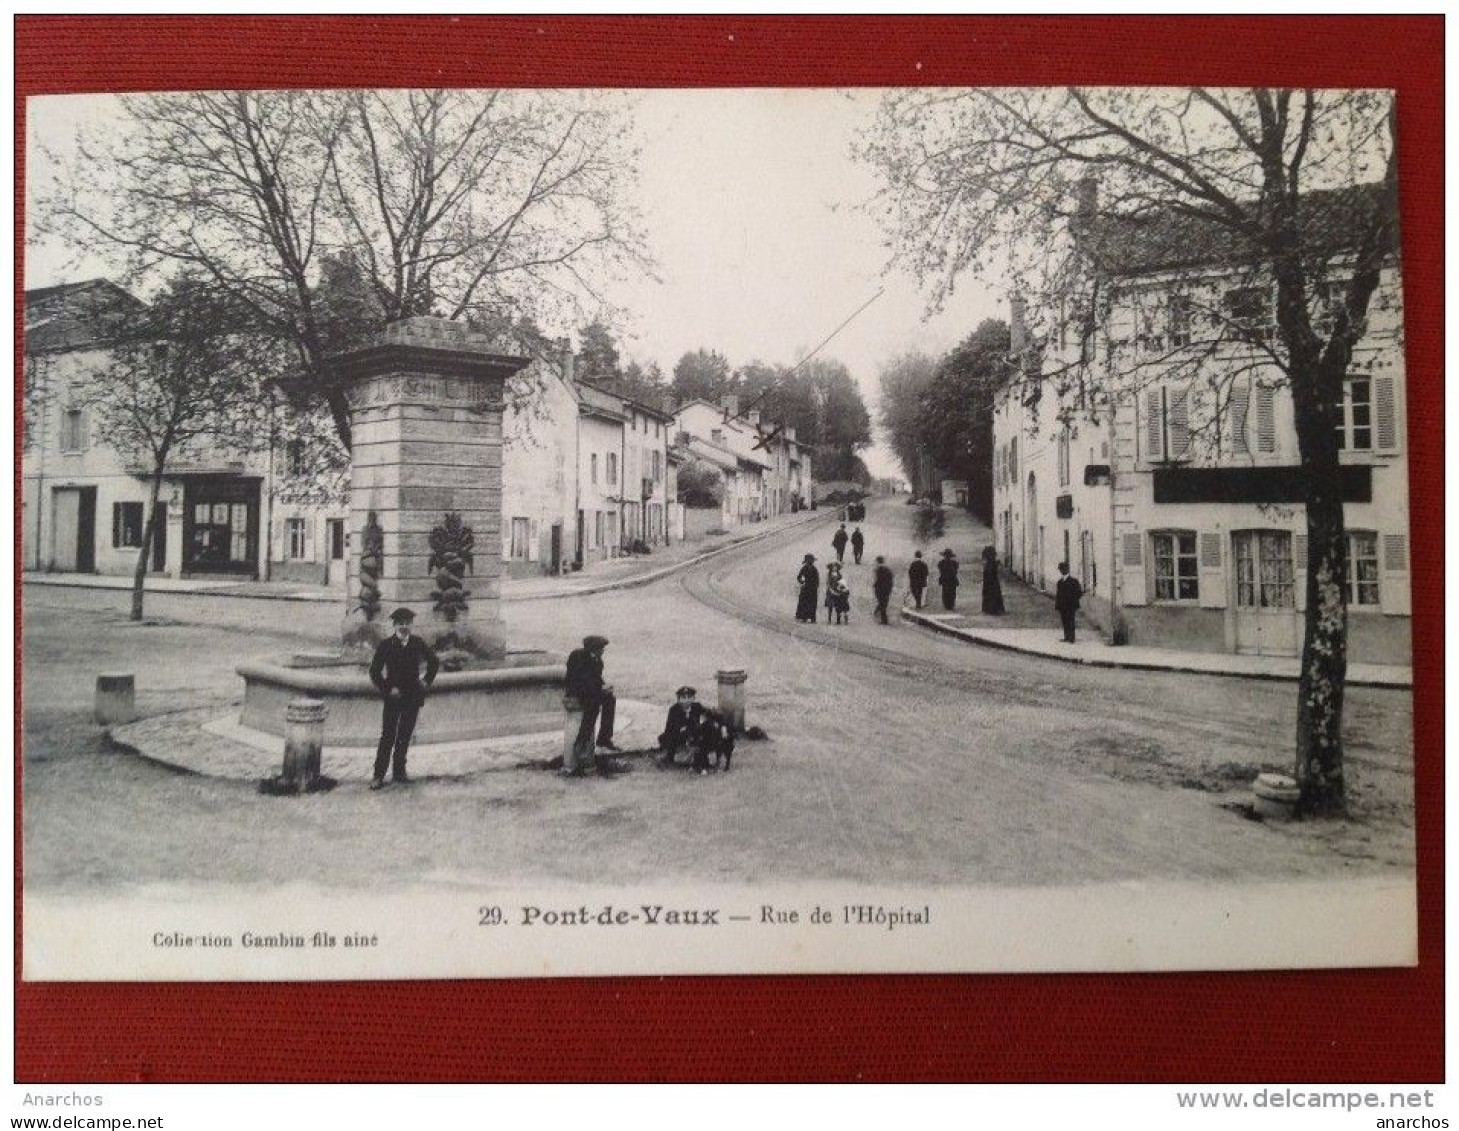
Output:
[[714, 737]]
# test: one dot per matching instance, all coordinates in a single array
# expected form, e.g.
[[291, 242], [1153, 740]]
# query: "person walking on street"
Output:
[[858, 543], [395, 671], [838, 542], [881, 586], [833, 584], [809, 579], [947, 578], [585, 684], [917, 578], [1067, 594], [992, 587]]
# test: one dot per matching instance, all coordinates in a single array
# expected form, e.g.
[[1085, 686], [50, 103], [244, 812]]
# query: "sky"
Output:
[[753, 210]]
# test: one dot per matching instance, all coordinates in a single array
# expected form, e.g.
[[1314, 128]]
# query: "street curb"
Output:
[[42, 581], [1136, 665], [666, 571]]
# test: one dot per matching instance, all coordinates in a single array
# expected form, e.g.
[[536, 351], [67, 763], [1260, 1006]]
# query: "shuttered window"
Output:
[[1355, 424], [1395, 553], [1154, 424], [1178, 421], [1266, 419], [126, 525], [1360, 574], [1240, 408], [1133, 555], [1210, 551], [1174, 566], [1167, 423], [1385, 409]]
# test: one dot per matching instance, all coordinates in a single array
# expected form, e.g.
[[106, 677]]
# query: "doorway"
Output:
[[1266, 593], [73, 538]]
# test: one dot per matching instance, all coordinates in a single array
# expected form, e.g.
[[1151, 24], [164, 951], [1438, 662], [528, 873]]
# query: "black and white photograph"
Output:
[[478, 533]]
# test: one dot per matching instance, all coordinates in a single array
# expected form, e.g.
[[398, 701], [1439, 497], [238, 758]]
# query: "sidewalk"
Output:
[[1091, 650], [601, 577]]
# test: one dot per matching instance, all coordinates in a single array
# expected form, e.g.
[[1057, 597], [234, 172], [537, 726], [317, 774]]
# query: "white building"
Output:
[[1171, 484], [772, 471]]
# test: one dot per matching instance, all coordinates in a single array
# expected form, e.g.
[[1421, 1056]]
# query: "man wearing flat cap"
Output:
[[585, 684], [396, 673], [681, 728]]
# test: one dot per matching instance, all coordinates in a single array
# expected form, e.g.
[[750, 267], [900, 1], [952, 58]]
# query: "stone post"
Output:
[[732, 697], [116, 698], [303, 743], [572, 720], [426, 439]]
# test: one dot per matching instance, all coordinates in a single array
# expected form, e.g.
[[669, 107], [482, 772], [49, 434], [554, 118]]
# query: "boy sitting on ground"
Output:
[[682, 727]]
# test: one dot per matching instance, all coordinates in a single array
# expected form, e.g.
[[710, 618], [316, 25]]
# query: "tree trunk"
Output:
[[1319, 765], [149, 532]]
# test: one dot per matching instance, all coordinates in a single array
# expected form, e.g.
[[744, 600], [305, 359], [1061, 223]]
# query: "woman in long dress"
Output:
[[992, 587], [810, 584]]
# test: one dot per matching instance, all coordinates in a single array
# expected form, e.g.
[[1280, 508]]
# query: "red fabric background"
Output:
[[1312, 1026]]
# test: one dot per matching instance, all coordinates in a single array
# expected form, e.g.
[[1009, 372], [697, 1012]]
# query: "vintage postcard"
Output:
[[485, 533]]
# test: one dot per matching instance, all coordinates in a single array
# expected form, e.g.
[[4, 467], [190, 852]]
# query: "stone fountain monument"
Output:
[[425, 403]]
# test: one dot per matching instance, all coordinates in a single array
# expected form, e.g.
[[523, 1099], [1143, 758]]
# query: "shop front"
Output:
[[220, 525]]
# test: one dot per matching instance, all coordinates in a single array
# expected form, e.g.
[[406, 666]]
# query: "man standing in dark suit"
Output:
[[917, 578], [1067, 595], [947, 578], [585, 684], [881, 587], [858, 544], [396, 673], [838, 542]]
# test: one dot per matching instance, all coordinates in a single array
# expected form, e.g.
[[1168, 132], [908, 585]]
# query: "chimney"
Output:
[[730, 403], [754, 417], [1087, 194], [569, 361], [790, 433], [1017, 330]]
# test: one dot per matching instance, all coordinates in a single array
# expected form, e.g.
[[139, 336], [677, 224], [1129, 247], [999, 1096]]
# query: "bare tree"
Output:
[[998, 185], [459, 203], [182, 380]]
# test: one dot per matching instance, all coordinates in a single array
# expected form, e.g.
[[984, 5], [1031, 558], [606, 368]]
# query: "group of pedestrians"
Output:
[[837, 600]]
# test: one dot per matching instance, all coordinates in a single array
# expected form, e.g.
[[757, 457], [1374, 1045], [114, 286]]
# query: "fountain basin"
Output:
[[519, 695]]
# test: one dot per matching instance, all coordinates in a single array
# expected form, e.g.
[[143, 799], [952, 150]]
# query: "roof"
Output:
[[1331, 220], [655, 404], [77, 315]]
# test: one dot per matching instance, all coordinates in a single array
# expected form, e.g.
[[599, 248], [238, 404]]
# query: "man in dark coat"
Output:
[[395, 671], [683, 725], [809, 579], [881, 586], [947, 578], [858, 543], [992, 587], [585, 684], [917, 578], [1067, 594], [838, 542]]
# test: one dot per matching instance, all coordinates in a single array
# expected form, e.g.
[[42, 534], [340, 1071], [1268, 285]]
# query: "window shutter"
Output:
[[1385, 409], [1395, 553], [1213, 579], [1394, 591], [1180, 434], [309, 524], [1266, 420], [1299, 555], [1154, 426], [533, 553], [1132, 573], [1240, 406]]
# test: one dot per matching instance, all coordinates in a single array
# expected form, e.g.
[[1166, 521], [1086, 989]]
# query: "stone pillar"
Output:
[[732, 697], [303, 743], [116, 698], [572, 720], [426, 421]]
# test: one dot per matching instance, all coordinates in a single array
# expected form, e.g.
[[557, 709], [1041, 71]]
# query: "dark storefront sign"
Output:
[[1253, 484], [220, 526]]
